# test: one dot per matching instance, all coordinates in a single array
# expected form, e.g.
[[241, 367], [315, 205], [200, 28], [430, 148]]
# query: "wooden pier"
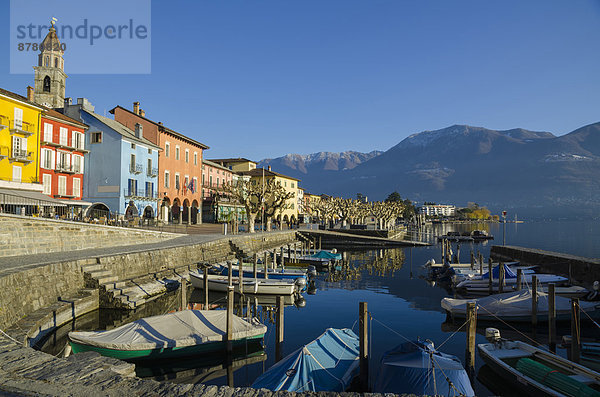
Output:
[[331, 239]]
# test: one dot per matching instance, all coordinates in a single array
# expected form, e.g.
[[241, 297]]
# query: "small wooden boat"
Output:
[[249, 285], [537, 372], [480, 283], [417, 368], [516, 306], [326, 364], [455, 236], [178, 334], [589, 352], [481, 235], [275, 274]]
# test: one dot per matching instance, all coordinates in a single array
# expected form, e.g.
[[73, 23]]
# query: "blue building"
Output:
[[121, 167]]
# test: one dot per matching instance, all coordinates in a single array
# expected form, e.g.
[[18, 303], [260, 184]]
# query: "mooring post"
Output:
[[183, 293], [241, 275], [255, 266], [519, 279], [457, 252], [319, 243], [229, 331], [471, 328], [472, 260], [266, 275], [230, 273], [501, 277], [491, 276], [575, 331], [363, 342], [480, 265], [443, 251], [534, 300], [281, 255], [551, 318], [480, 257], [279, 329], [205, 280]]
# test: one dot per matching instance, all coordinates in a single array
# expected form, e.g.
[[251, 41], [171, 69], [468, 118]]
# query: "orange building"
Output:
[[179, 166]]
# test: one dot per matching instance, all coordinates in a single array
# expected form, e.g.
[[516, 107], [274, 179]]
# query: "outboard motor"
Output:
[[300, 302], [300, 283], [312, 270], [492, 335]]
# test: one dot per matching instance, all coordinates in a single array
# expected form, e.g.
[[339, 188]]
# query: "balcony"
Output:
[[4, 151], [24, 128], [136, 168], [22, 156], [3, 122], [152, 172], [140, 194], [65, 168]]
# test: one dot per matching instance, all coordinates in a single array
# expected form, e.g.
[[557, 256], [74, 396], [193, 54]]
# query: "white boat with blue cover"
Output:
[[480, 283], [418, 368], [326, 364]]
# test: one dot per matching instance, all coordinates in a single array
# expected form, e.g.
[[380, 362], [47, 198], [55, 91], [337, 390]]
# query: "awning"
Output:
[[27, 197], [76, 203]]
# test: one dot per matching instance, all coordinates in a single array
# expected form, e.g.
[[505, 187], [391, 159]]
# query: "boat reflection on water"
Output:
[[490, 379], [202, 368]]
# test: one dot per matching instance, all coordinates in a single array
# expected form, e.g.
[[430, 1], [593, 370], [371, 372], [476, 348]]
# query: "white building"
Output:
[[438, 210]]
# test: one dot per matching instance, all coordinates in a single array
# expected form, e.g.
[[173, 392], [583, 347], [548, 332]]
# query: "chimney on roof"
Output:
[[136, 107], [269, 168], [160, 123], [142, 113], [30, 93], [68, 101], [139, 131]]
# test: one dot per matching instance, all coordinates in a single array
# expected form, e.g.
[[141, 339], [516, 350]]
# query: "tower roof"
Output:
[[51, 41]]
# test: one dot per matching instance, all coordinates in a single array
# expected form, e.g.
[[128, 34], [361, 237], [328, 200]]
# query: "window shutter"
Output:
[[18, 118], [52, 159], [23, 144], [68, 156], [73, 139], [81, 163]]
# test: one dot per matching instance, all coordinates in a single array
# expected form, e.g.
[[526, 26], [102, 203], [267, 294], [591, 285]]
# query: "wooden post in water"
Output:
[[279, 329], [457, 252], [265, 265], [363, 343], [534, 301], [205, 280], [491, 276], [230, 273], [289, 253], [281, 255], [551, 318], [229, 331], [241, 274], [501, 277], [480, 265], [255, 266], [480, 258], [183, 293], [319, 243], [443, 251], [519, 279], [472, 260], [575, 331], [471, 328]]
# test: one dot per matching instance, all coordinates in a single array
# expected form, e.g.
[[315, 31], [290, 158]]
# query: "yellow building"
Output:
[[19, 142], [290, 213], [239, 164]]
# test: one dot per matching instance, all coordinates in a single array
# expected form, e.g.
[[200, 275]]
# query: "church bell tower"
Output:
[[50, 77]]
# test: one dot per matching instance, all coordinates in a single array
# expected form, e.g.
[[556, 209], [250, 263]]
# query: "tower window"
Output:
[[55, 62], [46, 84], [47, 61]]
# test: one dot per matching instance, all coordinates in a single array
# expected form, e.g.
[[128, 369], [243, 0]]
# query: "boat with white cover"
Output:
[[516, 306], [536, 372], [249, 285], [480, 283]]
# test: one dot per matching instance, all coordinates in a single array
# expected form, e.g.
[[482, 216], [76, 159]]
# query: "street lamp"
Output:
[[504, 228]]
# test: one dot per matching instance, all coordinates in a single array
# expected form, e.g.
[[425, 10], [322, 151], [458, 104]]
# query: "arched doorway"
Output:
[[176, 211], [194, 212], [148, 214], [97, 210], [165, 210], [186, 211]]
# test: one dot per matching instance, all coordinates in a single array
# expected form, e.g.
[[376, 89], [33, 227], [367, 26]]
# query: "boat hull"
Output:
[[249, 286], [165, 353]]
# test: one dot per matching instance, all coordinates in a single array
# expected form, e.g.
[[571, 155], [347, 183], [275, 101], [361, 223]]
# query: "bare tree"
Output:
[[275, 200]]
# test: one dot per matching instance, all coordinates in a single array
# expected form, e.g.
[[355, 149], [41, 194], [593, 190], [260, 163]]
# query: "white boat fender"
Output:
[[300, 282], [492, 334], [334, 251]]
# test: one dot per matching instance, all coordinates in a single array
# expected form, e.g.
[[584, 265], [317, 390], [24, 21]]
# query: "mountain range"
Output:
[[531, 171]]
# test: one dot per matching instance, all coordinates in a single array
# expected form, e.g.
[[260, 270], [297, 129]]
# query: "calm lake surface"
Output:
[[403, 304]]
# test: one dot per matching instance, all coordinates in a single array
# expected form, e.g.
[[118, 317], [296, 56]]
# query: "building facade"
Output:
[[62, 155], [438, 210], [179, 167], [121, 173], [19, 142], [217, 206]]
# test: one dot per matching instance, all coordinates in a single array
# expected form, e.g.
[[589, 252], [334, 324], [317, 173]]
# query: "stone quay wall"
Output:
[[580, 270], [20, 235]]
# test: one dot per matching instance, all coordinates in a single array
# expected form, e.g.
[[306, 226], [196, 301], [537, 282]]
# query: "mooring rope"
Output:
[[10, 337]]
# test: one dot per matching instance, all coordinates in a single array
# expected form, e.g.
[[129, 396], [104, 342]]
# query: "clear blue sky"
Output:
[[264, 78]]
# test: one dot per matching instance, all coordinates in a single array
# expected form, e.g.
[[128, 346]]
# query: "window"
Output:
[[63, 160], [55, 62], [149, 151], [48, 159], [195, 180], [46, 63], [217, 181], [16, 173], [63, 136], [292, 205], [187, 156], [166, 179], [132, 187], [132, 162], [77, 164], [292, 184], [176, 152], [62, 185], [167, 147], [210, 181], [177, 181], [96, 137], [47, 181], [77, 140], [47, 132], [19, 147], [18, 118], [133, 145], [149, 167], [203, 180], [149, 189], [76, 187], [195, 158], [46, 87]]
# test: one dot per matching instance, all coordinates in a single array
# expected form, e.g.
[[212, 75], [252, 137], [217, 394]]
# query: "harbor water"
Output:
[[403, 305]]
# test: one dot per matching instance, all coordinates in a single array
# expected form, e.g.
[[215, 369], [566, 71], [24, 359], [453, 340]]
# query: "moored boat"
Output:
[[418, 368], [537, 372], [326, 364], [249, 285], [178, 334]]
